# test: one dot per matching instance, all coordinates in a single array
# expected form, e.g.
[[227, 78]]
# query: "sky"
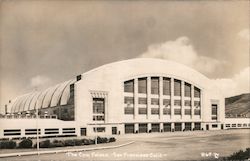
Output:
[[43, 43]]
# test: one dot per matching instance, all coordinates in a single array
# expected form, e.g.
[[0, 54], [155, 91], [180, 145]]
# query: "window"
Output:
[[128, 100], [214, 117], [98, 105], [32, 131], [167, 127], [98, 109], [187, 111], [129, 110], [177, 87], [10, 132], [155, 111], [233, 125], [177, 111], [227, 125], [129, 128], [166, 111], [142, 101], [143, 128], [214, 109], [166, 102], [98, 118], [197, 112], [166, 86], [177, 102], [244, 125], [177, 127], [197, 103], [239, 125], [142, 111], [99, 129], [188, 126], [197, 126], [187, 103], [197, 92], [155, 127], [142, 85], [155, 85], [214, 125], [187, 90], [154, 101], [51, 131], [69, 130], [129, 86]]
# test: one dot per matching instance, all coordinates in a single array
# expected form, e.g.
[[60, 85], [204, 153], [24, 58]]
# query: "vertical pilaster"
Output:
[[182, 98], [149, 127], [135, 98], [161, 127], [192, 101], [161, 96], [172, 98], [148, 97], [136, 128]]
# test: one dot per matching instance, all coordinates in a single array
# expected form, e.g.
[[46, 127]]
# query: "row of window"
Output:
[[142, 87], [156, 111], [16, 132], [237, 125], [167, 127], [155, 101]]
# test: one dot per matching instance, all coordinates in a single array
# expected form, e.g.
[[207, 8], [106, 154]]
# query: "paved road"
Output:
[[163, 146]]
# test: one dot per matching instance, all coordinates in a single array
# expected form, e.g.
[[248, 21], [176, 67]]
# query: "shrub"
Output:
[[58, 143], [69, 143], [78, 142], [240, 155], [25, 143], [112, 139], [45, 144], [101, 140], [6, 144]]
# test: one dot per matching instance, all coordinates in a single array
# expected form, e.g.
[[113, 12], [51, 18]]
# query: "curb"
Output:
[[62, 150]]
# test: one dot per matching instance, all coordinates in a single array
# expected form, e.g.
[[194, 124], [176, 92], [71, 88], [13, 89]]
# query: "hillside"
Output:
[[238, 106]]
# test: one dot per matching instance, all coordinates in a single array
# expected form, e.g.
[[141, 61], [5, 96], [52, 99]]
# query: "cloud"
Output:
[[244, 34], [182, 51], [236, 85], [40, 82]]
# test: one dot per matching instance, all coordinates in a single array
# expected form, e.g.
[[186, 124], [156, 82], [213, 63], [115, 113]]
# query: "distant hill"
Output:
[[238, 106]]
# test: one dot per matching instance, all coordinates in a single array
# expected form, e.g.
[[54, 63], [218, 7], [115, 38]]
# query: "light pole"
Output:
[[37, 132]]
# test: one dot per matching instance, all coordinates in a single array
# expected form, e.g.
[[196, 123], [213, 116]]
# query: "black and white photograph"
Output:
[[124, 80]]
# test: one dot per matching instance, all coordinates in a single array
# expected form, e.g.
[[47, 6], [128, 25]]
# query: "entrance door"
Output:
[[207, 127], [114, 130], [83, 131], [222, 127]]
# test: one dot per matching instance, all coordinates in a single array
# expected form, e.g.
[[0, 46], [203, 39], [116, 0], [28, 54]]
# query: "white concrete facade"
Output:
[[106, 85]]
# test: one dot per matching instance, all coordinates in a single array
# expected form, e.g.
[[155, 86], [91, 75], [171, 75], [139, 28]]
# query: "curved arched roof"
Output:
[[53, 96]]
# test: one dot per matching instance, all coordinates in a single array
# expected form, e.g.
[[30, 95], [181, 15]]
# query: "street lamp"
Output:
[[37, 132]]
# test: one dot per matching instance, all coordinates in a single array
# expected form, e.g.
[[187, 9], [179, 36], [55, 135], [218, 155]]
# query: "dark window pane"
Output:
[[129, 86], [197, 92], [154, 101], [166, 111], [166, 102], [187, 90], [129, 100], [177, 87], [177, 111], [177, 102], [142, 101], [187, 103], [98, 105], [155, 111], [142, 85], [166, 86], [155, 85]]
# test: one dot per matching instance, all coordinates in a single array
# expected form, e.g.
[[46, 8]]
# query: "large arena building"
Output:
[[140, 95]]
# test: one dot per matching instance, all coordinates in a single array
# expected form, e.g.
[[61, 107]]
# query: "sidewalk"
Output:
[[65, 149]]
